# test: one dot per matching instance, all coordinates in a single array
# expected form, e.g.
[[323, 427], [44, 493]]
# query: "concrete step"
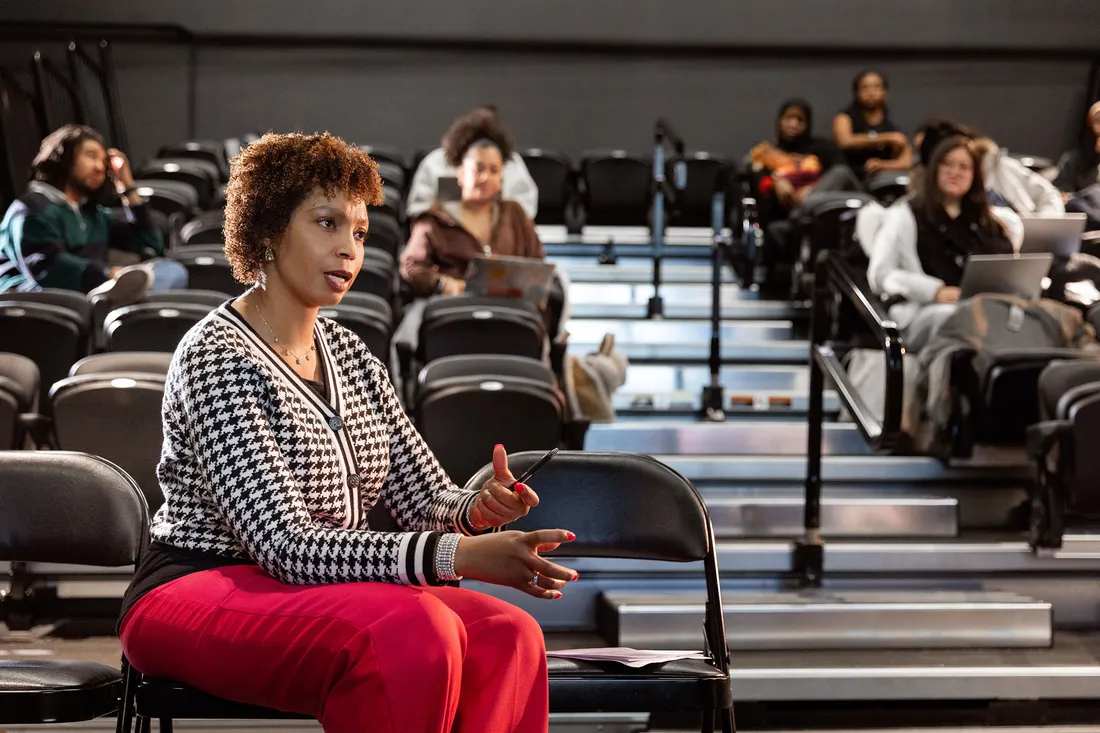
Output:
[[831, 620], [778, 513]]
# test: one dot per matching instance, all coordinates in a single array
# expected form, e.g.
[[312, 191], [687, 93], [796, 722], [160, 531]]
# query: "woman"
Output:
[[1080, 168], [265, 583], [797, 163], [446, 237], [517, 183], [870, 141], [919, 252]]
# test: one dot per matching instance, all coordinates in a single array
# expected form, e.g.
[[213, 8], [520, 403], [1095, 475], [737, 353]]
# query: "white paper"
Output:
[[625, 655]]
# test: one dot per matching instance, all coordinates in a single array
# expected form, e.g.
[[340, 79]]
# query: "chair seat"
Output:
[[578, 686], [158, 697], [77, 691], [575, 686]]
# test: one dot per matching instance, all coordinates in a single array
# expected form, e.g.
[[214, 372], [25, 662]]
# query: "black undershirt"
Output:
[[162, 563]]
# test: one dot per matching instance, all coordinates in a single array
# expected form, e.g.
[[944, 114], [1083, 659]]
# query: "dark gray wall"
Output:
[[591, 92]]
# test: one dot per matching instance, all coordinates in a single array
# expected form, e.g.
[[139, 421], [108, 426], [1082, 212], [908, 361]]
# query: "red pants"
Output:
[[358, 657]]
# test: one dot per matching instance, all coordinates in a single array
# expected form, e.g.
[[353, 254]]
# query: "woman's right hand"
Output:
[[512, 559], [947, 294]]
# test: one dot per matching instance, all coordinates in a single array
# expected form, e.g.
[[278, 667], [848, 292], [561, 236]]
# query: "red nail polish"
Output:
[[520, 488], [576, 576], [572, 536], [556, 595], [499, 445]]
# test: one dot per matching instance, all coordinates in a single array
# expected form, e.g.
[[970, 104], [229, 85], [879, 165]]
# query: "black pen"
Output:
[[536, 467]]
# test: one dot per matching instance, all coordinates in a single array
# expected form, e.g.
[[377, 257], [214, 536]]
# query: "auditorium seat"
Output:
[[201, 175], [84, 511], [19, 393], [171, 198], [480, 325], [392, 174], [208, 269], [553, 174], [393, 204], [49, 327], [210, 151], [116, 416], [204, 229], [384, 233], [1066, 490], [377, 276], [888, 186], [369, 317], [706, 175], [620, 506], [615, 189], [508, 399], [142, 362], [151, 326], [386, 154], [209, 298]]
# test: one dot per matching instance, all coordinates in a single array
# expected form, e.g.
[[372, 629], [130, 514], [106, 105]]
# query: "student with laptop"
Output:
[[921, 249]]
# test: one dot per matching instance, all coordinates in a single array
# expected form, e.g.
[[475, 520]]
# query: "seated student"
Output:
[[59, 236], [921, 247], [797, 163], [870, 141], [446, 237], [1079, 168], [1008, 181], [517, 183]]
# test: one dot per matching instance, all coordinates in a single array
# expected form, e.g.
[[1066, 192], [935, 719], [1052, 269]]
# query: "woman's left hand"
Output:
[[501, 499]]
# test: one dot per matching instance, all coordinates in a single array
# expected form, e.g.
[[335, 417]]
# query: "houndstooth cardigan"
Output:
[[255, 465]]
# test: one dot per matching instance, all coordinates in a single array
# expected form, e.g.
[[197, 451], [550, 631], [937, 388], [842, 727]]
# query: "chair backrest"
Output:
[[208, 298], [618, 504], [368, 324], [706, 174], [70, 300], [200, 174], [171, 198], [204, 230], [210, 151], [487, 366], [385, 153], [527, 416], [480, 330], [22, 379], [51, 336], [115, 416], [385, 234], [64, 507], [392, 174], [150, 326], [208, 269], [370, 302], [142, 362], [376, 279], [553, 174], [617, 189]]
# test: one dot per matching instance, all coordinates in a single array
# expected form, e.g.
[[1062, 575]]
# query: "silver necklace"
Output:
[[280, 345]]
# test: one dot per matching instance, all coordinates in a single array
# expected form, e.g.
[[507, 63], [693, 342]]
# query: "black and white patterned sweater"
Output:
[[256, 465]]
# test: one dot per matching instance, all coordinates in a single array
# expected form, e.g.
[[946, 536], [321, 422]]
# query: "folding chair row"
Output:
[[619, 505]]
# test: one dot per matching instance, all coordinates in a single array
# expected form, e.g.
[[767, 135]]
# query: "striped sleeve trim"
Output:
[[416, 558]]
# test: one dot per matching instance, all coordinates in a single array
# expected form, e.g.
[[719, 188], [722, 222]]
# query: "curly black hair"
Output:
[[481, 123], [273, 176], [54, 161]]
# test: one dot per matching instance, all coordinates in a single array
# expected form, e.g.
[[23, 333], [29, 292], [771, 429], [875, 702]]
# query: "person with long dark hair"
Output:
[[59, 235], [265, 582], [920, 250], [1079, 167], [863, 130]]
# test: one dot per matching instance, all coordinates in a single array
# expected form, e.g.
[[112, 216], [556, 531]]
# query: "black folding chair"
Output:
[[19, 387], [49, 327], [142, 362], [208, 269], [62, 507], [210, 151], [624, 505], [616, 189], [369, 316], [385, 234], [480, 325], [205, 229], [151, 326], [553, 174]]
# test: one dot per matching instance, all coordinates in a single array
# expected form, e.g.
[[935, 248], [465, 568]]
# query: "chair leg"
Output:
[[126, 705], [145, 725], [708, 721], [728, 724], [165, 725]]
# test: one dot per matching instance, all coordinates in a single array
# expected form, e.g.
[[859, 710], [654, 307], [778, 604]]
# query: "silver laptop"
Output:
[[1020, 275], [510, 277], [1058, 235]]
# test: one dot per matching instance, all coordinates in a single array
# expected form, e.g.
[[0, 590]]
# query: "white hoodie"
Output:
[[517, 184], [1027, 192]]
